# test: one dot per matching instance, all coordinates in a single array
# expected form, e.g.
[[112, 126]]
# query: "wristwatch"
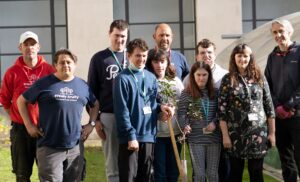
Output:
[[92, 123]]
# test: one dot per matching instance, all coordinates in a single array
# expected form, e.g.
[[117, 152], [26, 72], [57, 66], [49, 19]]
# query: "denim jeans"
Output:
[[165, 166]]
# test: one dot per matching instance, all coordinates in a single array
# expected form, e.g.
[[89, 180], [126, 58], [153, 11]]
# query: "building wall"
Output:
[[88, 26], [215, 18]]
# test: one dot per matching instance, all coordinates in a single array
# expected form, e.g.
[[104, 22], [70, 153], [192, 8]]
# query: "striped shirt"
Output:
[[198, 113]]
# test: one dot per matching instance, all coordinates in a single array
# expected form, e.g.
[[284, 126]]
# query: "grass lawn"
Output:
[[95, 167]]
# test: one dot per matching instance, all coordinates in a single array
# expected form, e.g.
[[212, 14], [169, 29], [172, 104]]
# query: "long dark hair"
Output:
[[193, 88], [157, 55], [252, 71]]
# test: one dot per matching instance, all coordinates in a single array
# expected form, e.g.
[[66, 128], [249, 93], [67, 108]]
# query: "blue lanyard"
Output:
[[143, 90], [205, 105], [117, 60]]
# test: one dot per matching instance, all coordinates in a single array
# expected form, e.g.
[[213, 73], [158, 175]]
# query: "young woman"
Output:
[[197, 114], [246, 115], [169, 90]]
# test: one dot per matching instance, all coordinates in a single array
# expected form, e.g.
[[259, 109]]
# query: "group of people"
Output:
[[134, 95]]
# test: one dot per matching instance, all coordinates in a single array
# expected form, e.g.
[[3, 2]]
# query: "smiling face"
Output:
[[138, 58], [159, 67], [163, 37], [281, 35], [29, 49], [242, 59], [65, 67], [201, 77], [118, 39]]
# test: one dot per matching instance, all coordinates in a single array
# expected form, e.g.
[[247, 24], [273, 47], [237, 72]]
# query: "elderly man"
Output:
[[283, 75]]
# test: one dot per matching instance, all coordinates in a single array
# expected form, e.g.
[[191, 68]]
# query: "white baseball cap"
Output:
[[26, 35]]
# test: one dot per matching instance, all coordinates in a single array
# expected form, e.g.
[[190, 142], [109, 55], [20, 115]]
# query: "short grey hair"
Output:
[[285, 23]]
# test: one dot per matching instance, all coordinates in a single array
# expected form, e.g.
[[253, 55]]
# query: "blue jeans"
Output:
[[165, 167]]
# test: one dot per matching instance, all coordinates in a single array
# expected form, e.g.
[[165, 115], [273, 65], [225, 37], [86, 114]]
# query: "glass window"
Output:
[[247, 9], [6, 62], [60, 38], [153, 11], [189, 35], [143, 31], [270, 9], [266, 10], [247, 27], [59, 12], [31, 15], [144, 15], [20, 13], [190, 56], [10, 39], [188, 10]]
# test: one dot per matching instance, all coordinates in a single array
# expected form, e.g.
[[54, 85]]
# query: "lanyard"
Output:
[[247, 87], [117, 60], [205, 105], [143, 90]]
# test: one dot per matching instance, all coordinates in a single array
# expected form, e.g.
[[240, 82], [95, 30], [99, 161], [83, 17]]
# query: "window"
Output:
[[144, 15], [259, 12], [47, 18]]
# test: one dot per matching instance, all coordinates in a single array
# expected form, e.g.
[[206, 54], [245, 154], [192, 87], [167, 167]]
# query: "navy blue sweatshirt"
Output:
[[102, 71]]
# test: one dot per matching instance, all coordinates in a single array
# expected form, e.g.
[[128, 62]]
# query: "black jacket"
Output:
[[283, 75]]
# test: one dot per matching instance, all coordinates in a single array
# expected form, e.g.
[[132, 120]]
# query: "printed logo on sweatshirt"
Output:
[[66, 94], [31, 79], [113, 71]]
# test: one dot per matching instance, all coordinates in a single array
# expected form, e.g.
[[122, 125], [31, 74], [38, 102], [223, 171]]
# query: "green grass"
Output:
[[95, 167]]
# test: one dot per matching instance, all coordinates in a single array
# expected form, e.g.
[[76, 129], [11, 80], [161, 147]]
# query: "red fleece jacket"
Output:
[[17, 79]]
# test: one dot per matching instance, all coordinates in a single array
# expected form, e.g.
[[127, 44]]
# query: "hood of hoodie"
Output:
[[20, 62]]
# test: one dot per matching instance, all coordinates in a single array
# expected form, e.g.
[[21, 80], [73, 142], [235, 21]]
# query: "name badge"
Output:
[[147, 110], [252, 117]]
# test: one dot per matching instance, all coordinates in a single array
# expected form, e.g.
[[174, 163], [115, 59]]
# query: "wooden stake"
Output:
[[180, 168]]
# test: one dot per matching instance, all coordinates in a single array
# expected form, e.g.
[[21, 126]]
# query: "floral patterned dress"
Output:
[[248, 133]]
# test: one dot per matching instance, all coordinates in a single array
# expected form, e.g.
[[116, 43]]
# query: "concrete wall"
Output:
[[88, 25], [215, 18]]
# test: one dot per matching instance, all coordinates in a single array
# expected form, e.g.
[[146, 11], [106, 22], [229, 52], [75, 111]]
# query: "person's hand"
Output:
[[100, 130], [133, 145], [282, 113], [211, 127], [227, 142], [86, 131], [272, 140], [168, 112], [33, 131], [187, 129]]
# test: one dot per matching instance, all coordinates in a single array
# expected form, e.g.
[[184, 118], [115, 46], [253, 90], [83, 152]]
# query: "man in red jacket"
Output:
[[27, 69]]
